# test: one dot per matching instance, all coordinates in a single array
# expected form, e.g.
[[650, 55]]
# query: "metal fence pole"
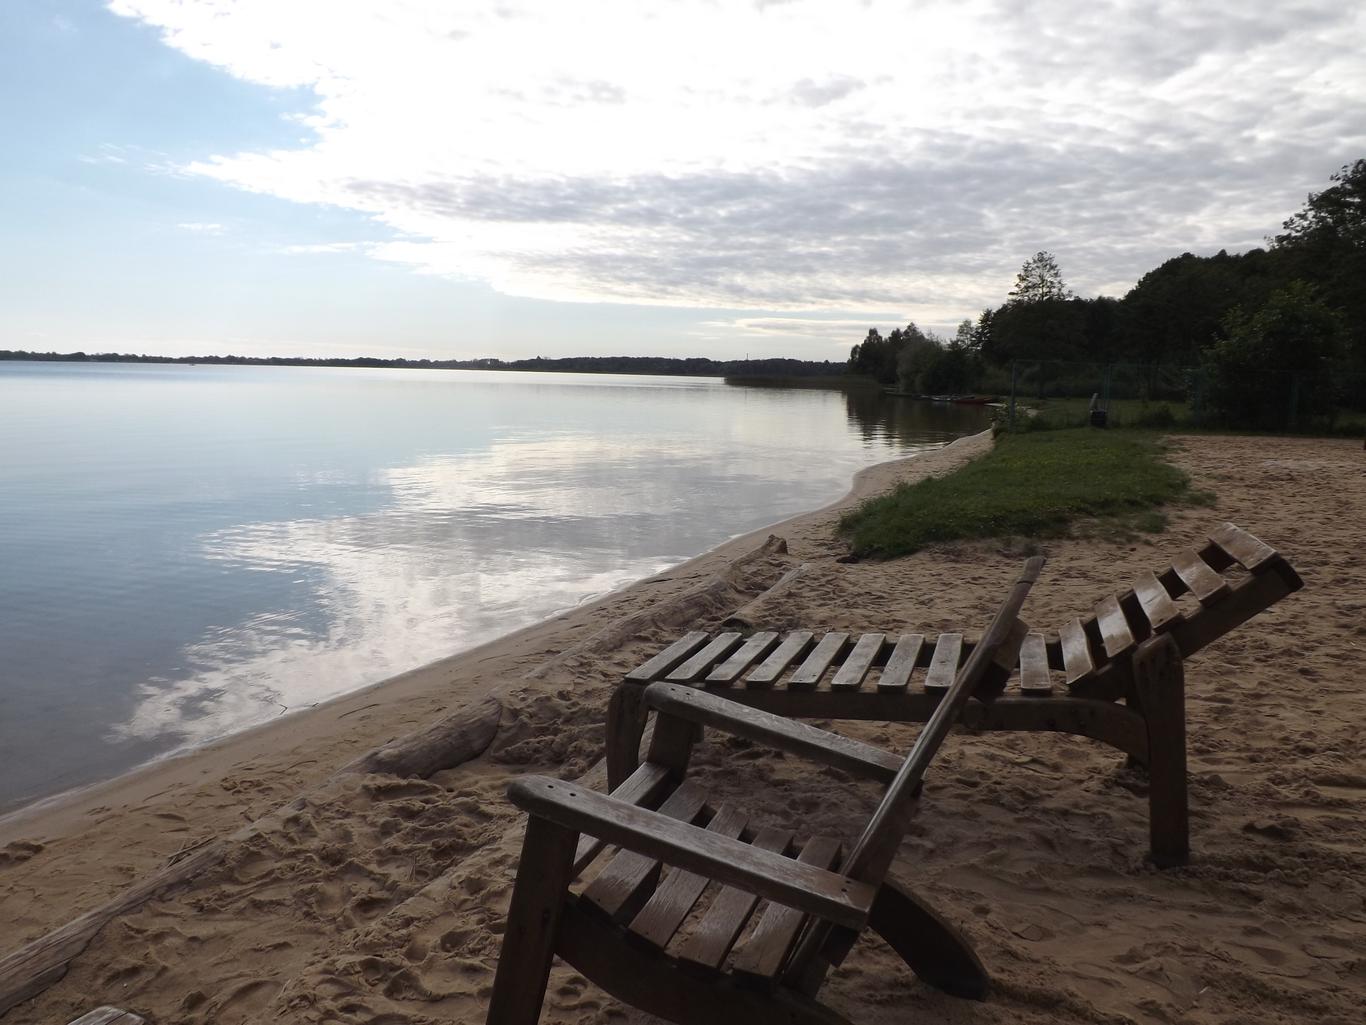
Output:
[[1012, 395]]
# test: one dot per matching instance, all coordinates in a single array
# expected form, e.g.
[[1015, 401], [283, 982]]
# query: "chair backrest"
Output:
[[874, 850], [1095, 651], [872, 853]]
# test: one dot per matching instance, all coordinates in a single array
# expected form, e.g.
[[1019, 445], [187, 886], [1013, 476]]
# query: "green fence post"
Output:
[[1012, 394]]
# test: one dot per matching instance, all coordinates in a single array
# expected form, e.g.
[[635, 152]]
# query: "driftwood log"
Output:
[[685, 608], [759, 612], [449, 742], [459, 737]]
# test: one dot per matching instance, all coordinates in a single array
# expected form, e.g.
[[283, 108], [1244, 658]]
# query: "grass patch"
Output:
[[1034, 484]]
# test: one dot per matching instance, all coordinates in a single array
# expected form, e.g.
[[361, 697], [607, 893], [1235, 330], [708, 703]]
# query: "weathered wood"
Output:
[[109, 1016], [1157, 604], [625, 727], [729, 911], [1076, 652], [1105, 721], [538, 899], [627, 880], [930, 946], [1114, 628], [830, 647], [793, 647], [643, 786], [642, 977], [1207, 585], [826, 894], [944, 662], [671, 902], [753, 613], [754, 648], [1253, 554], [674, 700], [1251, 596], [896, 674], [715, 650], [762, 953], [454, 740], [850, 675], [873, 851], [670, 658], [1034, 676], [1159, 679]]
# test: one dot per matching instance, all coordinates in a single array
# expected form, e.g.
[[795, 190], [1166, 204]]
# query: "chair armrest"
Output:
[[773, 730], [828, 895]]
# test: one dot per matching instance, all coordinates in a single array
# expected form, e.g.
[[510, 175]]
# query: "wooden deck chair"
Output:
[[1116, 652], [681, 860]]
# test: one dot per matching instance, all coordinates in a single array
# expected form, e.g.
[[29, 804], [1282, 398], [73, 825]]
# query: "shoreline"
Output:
[[333, 895], [143, 781]]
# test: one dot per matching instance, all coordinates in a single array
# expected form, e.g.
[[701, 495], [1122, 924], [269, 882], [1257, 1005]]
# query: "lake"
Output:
[[190, 550]]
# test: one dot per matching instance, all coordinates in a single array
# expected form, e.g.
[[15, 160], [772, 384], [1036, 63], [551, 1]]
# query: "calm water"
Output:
[[188, 550]]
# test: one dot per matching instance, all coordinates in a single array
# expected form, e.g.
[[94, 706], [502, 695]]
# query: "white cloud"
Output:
[[797, 156], [202, 227]]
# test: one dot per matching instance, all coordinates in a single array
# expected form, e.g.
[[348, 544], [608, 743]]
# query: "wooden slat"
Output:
[[1207, 585], [833, 897], [1253, 554], [1114, 628], [626, 876], [944, 663], [639, 788], [896, 674], [669, 905], [754, 648], [793, 647], [825, 652], [717, 649], [764, 950], [850, 675], [1157, 604], [1034, 678], [777, 731], [1076, 652], [668, 658], [729, 911]]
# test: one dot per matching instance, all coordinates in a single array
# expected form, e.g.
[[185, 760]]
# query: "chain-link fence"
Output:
[[1056, 393]]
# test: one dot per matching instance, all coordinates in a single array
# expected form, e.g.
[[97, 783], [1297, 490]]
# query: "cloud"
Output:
[[201, 227], [635, 153]]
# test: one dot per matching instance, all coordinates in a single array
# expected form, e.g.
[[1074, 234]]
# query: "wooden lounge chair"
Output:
[[681, 858], [901, 678]]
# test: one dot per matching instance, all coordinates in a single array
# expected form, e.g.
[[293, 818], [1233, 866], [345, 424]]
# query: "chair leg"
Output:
[[625, 727], [1160, 681], [538, 896]]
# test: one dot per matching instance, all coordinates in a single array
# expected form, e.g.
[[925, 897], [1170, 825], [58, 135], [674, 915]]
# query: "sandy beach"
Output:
[[377, 899]]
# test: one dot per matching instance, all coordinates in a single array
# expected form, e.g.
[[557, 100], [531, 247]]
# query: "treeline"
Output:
[[683, 367], [1249, 326]]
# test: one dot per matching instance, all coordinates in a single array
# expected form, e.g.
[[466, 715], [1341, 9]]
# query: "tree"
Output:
[[1338, 213], [1039, 280], [1326, 243], [1279, 363]]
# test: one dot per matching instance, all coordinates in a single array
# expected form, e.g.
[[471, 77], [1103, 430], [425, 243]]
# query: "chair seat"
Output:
[[705, 925]]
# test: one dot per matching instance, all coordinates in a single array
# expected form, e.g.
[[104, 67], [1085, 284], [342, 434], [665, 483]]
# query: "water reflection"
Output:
[[193, 550]]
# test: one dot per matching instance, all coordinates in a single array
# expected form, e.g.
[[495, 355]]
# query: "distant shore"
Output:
[[776, 368]]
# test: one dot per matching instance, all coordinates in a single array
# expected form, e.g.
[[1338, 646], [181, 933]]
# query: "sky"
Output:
[[678, 177]]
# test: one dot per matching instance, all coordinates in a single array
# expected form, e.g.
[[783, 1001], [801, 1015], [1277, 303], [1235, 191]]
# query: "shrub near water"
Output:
[[1030, 484]]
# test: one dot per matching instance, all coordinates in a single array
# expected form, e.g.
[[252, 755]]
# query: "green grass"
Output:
[[1033, 484], [1075, 412]]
